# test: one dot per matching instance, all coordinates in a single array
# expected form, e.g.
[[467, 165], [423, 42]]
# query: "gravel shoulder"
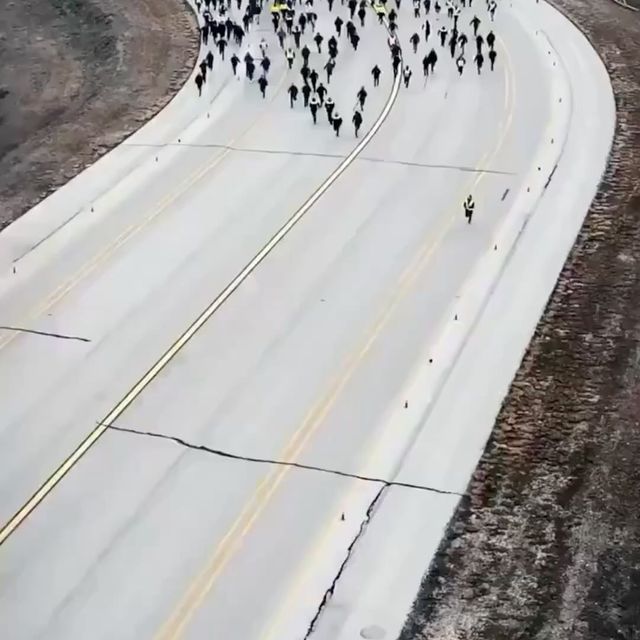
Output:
[[76, 78], [546, 543]]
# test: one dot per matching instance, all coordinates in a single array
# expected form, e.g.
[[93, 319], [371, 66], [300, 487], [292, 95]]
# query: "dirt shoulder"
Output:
[[76, 78], [546, 544]]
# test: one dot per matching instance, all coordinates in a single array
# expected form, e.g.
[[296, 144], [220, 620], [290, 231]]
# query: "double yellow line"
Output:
[[224, 551], [405, 282]]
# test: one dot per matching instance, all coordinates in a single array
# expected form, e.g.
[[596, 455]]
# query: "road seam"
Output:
[[50, 483], [279, 463]]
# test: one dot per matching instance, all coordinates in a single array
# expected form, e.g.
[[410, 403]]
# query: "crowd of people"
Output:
[[451, 30], [294, 24]]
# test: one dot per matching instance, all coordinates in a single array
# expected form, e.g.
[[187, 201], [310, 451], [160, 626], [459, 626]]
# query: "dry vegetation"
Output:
[[77, 77], [547, 543]]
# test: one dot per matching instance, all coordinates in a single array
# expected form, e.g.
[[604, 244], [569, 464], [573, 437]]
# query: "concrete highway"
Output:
[[301, 360]]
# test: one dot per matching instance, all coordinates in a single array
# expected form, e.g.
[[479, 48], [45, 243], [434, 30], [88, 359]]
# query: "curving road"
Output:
[[182, 515]]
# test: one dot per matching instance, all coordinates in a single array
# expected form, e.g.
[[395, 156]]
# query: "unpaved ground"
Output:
[[77, 77], [547, 543]]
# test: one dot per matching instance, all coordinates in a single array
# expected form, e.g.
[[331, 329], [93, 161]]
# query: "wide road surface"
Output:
[[145, 537]]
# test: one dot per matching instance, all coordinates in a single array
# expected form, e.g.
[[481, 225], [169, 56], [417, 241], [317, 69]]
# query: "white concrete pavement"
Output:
[[305, 362]]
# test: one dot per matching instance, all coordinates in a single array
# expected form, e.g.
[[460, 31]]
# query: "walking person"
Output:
[[375, 72], [263, 83], [357, 121], [469, 207], [492, 58], [406, 76], [337, 123], [293, 94], [361, 96], [314, 104]]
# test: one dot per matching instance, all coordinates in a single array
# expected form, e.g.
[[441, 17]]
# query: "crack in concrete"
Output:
[[337, 156], [282, 463], [329, 592], [47, 334]]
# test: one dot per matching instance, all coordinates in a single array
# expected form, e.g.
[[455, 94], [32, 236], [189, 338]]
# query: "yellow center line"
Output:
[[229, 544], [405, 283]]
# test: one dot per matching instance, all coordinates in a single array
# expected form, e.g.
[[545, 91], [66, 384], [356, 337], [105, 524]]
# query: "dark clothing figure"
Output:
[[296, 36], [318, 40], [199, 82], [304, 72], [337, 123], [362, 12], [313, 107], [491, 39], [329, 67], [313, 77], [322, 92], [281, 36], [338, 23], [355, 39], [222, 45], [263, 83], [293, 94], [415, 41], [352, 4], [469, 207], [265, 63], [475, 23], [203, 70], [238, 35], [357, 121], [442, 32], [396, 64], [479, 43], [492, 58], [234, 63], [462, 41], [362, 96], [406, 76], [433, 58], [479, 60], [329, 106], [306, 92], [375, 72], [333, 47], [250, 67], [305, 52], [427, 30]]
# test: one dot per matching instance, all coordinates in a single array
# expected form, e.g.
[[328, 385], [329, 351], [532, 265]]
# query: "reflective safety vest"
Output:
[[379, 8]]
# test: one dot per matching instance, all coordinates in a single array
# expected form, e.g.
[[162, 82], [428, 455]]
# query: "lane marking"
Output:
[[224, 551], [62, 290], [202, 584], [406, 281], [186, 336]]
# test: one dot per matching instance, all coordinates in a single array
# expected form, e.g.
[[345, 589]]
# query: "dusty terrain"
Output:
[[77, 77], [546, 544]]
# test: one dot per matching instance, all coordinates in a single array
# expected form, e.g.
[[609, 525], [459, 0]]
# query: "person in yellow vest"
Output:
[[469, 207]]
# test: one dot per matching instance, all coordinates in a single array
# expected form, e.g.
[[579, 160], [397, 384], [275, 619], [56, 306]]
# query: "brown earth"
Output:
[[76, 78], [546, 543]]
